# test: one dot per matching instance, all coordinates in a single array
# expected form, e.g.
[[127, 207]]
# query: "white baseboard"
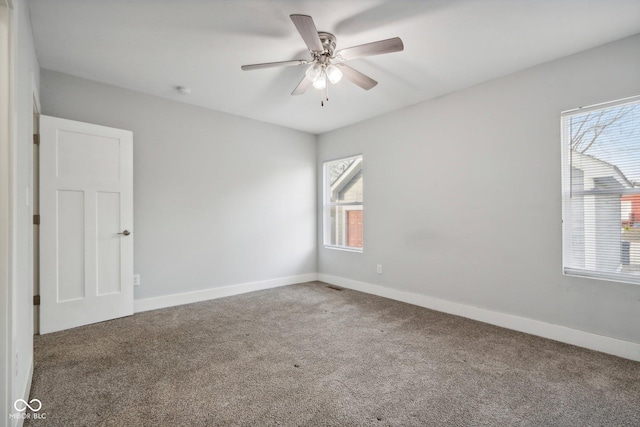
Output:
[[26, 389], [165, 301], [604, 344]]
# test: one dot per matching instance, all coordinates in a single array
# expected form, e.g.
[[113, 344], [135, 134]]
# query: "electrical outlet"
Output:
[[136, 280], [379, 269]]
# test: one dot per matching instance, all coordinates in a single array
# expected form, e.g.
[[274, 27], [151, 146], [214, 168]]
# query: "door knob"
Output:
[[125, 232]]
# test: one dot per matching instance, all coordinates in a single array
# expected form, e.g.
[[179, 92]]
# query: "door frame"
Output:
[[35, 202]]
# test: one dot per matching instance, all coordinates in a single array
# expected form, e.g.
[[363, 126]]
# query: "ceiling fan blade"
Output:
[[274, 64], [356, 77], [302, 86], [308, 31], [376, 48]]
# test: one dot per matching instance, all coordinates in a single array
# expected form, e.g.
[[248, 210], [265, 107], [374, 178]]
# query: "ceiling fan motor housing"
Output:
[[328, 41]]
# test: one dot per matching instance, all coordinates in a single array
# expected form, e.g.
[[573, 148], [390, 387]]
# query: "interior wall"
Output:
[[462, 195], [218, 199], [25, 83], [5, 137]]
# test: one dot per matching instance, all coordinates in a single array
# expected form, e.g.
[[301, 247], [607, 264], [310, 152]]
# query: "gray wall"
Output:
[[462, 195], [219, 199]]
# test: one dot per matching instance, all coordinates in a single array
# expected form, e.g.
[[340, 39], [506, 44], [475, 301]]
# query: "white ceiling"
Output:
[[152, 46]]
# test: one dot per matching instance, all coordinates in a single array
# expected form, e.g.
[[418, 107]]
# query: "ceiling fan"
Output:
[[327, 64]]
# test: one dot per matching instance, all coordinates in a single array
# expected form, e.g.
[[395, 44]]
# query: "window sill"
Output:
[[344, 249], [632, 279]]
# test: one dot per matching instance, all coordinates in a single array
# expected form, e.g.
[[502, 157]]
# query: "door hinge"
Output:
[[36, 219], [36, 139], [36, 300]]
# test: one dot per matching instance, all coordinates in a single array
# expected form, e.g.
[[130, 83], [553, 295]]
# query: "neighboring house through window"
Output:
[[601, 191], [343, 204]]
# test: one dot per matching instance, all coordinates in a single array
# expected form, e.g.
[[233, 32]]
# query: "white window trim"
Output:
[[566, 196], [327, 205]]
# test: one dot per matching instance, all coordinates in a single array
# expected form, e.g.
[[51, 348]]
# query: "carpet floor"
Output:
[[309, 355]]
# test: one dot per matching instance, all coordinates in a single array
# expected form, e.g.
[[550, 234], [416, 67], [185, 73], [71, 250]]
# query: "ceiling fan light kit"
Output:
[[333, 74], [314, 72], [323, 55], [320, 82]]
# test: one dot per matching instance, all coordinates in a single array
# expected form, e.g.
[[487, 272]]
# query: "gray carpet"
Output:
[[308, 355]]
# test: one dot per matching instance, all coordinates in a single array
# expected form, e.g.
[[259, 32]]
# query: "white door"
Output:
[[86, 223]]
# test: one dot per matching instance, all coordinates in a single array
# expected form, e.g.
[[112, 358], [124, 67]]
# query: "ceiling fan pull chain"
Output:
[[326, 94]]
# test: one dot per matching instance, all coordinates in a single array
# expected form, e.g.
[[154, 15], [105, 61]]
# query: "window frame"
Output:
[[327, 204], [566, 193]]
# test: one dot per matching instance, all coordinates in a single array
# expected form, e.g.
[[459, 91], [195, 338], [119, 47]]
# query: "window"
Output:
[[343, 208], [601, 191]]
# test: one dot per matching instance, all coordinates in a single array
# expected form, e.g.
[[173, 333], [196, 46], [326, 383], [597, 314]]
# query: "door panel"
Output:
[[108, 249], [86, 200], [70, 233], [88, 156]]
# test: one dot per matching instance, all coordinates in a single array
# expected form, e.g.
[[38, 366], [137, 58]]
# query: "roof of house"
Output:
[[344, 170], [610, 177]]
